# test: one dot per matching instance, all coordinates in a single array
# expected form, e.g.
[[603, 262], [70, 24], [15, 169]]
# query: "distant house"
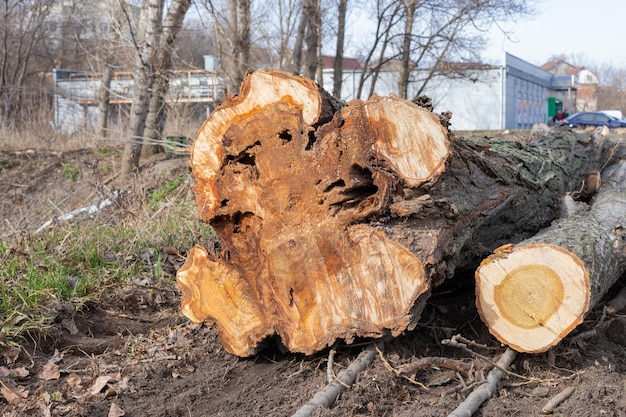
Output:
[[587, 83]]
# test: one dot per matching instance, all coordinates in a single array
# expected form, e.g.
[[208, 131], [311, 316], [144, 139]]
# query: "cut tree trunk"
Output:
[[336, 221], [533, 294]]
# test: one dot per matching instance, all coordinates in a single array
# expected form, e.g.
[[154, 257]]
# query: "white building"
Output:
[[514, 95]]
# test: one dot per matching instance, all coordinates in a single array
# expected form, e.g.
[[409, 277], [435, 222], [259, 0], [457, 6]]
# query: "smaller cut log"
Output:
[[533, 294]]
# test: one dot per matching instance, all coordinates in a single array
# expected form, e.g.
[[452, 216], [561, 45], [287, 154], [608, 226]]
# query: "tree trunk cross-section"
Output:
[[336, 220], [287, 203], [533, 294]]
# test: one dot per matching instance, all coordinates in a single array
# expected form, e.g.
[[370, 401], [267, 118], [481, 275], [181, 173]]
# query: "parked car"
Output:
[[585, 119]]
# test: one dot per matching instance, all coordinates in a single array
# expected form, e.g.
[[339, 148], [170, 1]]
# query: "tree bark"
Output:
[[338, 62], [313, 38], [296, 60], [533, 294], [150, 26], [405, 54], [155, 119], [103, 102], [336, 224]]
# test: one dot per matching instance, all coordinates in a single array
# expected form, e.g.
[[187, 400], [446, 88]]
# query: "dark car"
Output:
[[585, 119]]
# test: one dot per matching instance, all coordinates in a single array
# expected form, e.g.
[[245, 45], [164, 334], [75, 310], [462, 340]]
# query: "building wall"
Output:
[[475, 101], [511, 96], [527, 90], [526, 104]]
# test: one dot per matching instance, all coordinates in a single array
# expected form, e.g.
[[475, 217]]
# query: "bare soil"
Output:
[[137, 355]]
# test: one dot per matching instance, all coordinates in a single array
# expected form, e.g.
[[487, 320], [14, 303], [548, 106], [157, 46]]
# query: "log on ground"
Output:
[[338, 227], [533, 294]]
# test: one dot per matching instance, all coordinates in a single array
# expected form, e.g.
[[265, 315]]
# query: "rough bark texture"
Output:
[[103, 102], [155, 118], [150, 26], [336, 227], [535, 293]]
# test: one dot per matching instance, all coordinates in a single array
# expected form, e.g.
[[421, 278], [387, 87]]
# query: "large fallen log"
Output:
[[339, 227], [533, 294]]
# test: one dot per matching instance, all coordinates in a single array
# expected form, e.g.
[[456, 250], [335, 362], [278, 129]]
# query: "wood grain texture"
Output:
[[287, 200]]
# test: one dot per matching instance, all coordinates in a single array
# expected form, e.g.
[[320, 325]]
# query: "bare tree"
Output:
[[232, 23], [143, 71], [155, 119], [341, 35], [22, 32], [410, 7], [286, 25], [434, 32], [153, 43], [611, 92], [313, 37], [307, 46], [298, 48], [387, 16], [103, 102]]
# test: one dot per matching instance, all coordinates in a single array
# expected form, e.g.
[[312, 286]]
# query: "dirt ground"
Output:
[[147, 359]]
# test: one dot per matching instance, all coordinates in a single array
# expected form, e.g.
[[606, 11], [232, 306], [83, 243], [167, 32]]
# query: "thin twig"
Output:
[[431, 362], [330, 375], [586, 335], [487, 389], [454, 343], [327, 396], [557, 399], [398, 372], [162, 358]]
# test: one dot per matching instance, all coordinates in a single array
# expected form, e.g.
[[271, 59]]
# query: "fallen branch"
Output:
[[330, 375], [487, 389], [327, 396], [90, 209], [557, 399], [586, 335], [431, 362]]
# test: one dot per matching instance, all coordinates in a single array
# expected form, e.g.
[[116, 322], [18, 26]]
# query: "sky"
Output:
[[589, 30]]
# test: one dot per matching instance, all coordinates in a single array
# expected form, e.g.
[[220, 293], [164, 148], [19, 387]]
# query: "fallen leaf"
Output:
[[14, 396], [13, 373], [44, 408], [20, 372], [123, 384], [170, 250], [73, 380], [56, 357], [49, 372], [100, 383], [70, 325], [115, 411], [9, 353]]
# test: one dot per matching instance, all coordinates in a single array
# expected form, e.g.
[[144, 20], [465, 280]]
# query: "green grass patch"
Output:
[[159, 195], [87, 262], [70, 171]]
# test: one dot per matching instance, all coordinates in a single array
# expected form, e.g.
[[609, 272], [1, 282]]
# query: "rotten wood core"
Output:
[[335, 220]]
